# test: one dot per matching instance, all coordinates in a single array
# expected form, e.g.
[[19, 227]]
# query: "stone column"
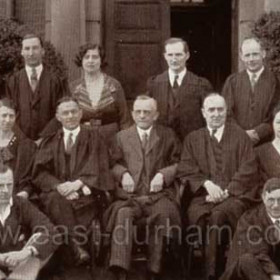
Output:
[[65, 28]]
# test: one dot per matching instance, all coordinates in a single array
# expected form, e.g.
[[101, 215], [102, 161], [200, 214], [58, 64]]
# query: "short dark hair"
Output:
[[65, 99], [31, 36], [175, 40], [6, 102], [271, 185], [84, 49]]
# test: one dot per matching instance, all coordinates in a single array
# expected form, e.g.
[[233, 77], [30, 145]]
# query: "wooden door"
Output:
[[134, 32]]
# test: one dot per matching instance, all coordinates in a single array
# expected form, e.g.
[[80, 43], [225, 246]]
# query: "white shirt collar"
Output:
[[273, 219], [143, 131], [219, 134], [258, 73], [38, 68], [74, 132], [172, 75], [7, 211]]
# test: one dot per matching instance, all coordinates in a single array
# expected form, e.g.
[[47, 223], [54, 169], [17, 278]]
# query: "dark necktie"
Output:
[[175, 83], [214, 131], [33, 79], [253, 81], [69, 144], [144, 141]]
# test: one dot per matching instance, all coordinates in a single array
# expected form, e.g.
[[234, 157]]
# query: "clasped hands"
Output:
[[156, 184], [70, 189], [215, 193]]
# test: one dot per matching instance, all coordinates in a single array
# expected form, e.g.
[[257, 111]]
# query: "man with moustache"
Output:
[[146, 157], [27, 236], [252, 93], [219, 166], [255, 249], [71, 170], [179, 92], [34, 90]]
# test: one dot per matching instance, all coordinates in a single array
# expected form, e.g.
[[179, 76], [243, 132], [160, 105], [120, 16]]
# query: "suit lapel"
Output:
[[153, 140], [36, 95], [135, 142], [164, 92]]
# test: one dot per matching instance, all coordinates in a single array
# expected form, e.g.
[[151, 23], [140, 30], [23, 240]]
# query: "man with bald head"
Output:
[[252, 93], [219, 167], [255, 248], [146, 157]]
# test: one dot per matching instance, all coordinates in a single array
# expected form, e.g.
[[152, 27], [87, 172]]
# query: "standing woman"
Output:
[[101, 97], [268, 154], [16, 150]]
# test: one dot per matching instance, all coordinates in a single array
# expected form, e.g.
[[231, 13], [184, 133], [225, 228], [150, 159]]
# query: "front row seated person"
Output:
[[255, 249], [16, 150], [71, 171], [219, 166], [146, 157], [27, 235]]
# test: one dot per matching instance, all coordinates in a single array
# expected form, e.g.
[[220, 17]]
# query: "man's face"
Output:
[[272, 203], [7, 118], [144, 113], [214, 111], [6, 186], [276, 125], [176, 57], [252, 55], [32, 52], [69, 114]]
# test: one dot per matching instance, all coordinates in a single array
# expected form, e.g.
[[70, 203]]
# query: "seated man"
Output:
[[21, 220], [71, 170], [146, 157], [219, 167], [255, 250]]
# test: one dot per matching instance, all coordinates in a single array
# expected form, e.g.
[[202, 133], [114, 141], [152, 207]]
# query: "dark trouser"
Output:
[[160, 218], [246, 268], [217, 223]]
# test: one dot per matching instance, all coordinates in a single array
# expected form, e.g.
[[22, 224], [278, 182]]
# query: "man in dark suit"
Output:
[[219, 166], [34, 89], [178, 92], [252, 93], [146, 157], [71, 169], [255, 249], [27, 236]]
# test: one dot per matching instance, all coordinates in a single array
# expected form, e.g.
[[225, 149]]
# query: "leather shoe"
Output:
[[120, 273], [153, 276]]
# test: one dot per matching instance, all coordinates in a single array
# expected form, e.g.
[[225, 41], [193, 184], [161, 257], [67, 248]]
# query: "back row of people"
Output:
[[71, 166]]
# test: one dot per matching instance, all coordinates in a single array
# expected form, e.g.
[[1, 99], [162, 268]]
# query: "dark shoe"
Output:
[[120, 273], [153, 276]]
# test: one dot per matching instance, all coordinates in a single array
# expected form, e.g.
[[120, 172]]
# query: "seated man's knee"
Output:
[[124, 213], [218, 218]]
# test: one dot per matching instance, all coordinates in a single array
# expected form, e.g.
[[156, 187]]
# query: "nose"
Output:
[[142, 115], [276, 203], [216, 113]]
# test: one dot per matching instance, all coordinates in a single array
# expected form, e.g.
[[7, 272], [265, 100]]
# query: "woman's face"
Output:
[[91, 61], [7, 118], [276, 125]]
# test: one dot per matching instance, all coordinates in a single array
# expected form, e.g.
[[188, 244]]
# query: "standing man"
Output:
[[27, 236], [255, 249], [34, 89], [252, 93], [146, 157], [219, 165], [178, 92]]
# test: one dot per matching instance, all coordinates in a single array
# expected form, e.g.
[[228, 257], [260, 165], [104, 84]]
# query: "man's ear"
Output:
[[263, 54], [188, 55], [203, 112]]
